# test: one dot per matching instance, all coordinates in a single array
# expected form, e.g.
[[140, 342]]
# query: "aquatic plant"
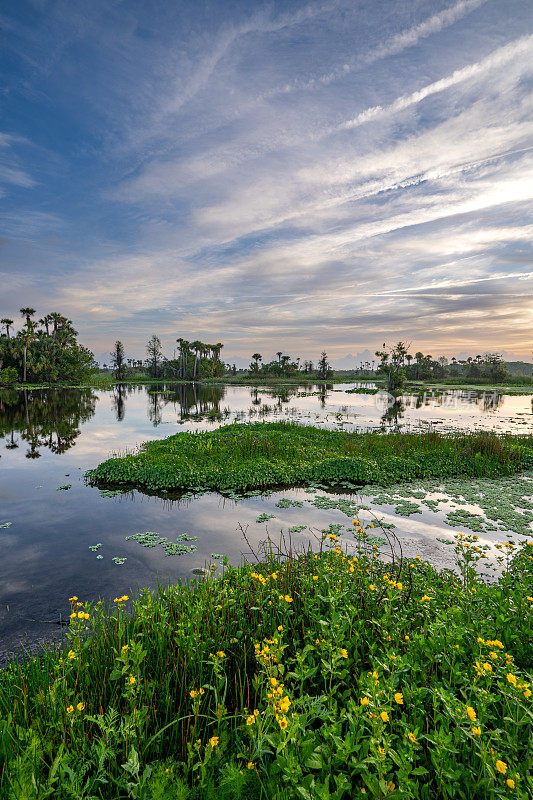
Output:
[[243, 457]]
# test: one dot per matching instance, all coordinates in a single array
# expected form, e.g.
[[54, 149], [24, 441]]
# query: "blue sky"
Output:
[[290, 176]]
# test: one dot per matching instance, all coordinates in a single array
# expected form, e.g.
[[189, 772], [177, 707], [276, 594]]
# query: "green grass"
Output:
[[308, 677], [252, 456]]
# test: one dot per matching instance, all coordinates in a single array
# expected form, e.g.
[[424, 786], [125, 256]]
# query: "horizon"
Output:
[[318, 175]]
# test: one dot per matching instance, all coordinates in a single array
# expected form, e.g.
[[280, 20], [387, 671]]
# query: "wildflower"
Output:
[[221, 654], [193, 693], [399, 586], [70, 709], [288, 598], [81, 615], [73, 615], [213, 741], [364, 701], [73, 599], [250, 765], [492, 654], [315, 577], [501, 766], [527, 693], [412, 738], [384, 716], [132, 681], [390, 786], [530, 599], [487, 667], [510, 783], [399, 698], [283, 723], [480, 640], [476, 731], [375, 675], [372, 587], [425, 597], [125, 648], [201, 691], [280, 628], [80, 706], [250, 720], [471, 713], [406, 638], [256, 712], [511, 679], [71, 654], [344, 653], [381, 750]]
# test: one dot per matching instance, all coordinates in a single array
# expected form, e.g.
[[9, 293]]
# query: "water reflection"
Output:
[[50, 418]]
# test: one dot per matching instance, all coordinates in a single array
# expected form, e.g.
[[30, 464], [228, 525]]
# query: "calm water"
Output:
[[48, 439]]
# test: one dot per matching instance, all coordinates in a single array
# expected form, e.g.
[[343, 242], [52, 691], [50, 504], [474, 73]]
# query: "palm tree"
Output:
[[7, 323], [279, 354], [28, 313], [28, 335], [257, 357]]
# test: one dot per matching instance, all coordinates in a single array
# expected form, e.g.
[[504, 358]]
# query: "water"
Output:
[[49, 438]]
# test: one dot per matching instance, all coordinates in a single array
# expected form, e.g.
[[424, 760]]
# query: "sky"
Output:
[[291, 176]]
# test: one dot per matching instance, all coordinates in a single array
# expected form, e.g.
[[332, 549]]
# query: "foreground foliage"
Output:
[[248, 456], [329, 675]]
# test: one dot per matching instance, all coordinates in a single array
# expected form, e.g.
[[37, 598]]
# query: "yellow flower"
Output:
[[344, 653], [315, 577], [364, 701], [193, 693], [256, 712], [80, 706], [288, 598], [510, 783], [493, 654], [280, 628], [406, 638], [372, 587], [250, 720], [511, 678], [527, 693], [471, 713], [71, 654], [213, 741], [70, 709], [399, 586], [73, 599], [125, 647], [132, 680], [487, 667], [399, 698], [283, 723], [501, 766], [250, 765], [425, 597], [381, 750], [480, 640], [73, 615], [81, 615], [530, 599], [412, 738], [221, 654], [384, 716], [476, 731]]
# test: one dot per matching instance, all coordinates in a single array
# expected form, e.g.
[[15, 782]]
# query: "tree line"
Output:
[[45, 350], [193, 360], [397, 366]]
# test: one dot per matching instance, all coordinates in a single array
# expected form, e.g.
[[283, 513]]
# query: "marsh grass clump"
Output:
[[253, 456], [329, 674]]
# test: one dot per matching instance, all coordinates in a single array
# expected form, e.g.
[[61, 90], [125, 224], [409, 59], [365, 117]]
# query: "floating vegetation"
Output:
[[265, 517], [6, 524], [118, 560], [240, 457], [96, 547], [286, 503], [64, 488], [99, 558], [111, 492], [406, 508], [217, 555], [297, 528], [153, 539]]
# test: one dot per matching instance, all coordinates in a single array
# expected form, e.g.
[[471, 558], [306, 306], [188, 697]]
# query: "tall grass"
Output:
[[249, 456]]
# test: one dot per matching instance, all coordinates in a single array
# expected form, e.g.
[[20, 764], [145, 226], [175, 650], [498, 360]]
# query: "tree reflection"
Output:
[[44, 418]]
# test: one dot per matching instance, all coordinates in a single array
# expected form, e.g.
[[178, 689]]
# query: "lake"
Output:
[[59, 536]]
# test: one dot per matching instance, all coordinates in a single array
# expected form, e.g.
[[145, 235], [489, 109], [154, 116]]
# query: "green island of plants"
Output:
[[332, 674], [247, 456]]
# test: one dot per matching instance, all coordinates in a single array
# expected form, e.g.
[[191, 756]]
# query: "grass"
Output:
[[258, 455], [332, 675]]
